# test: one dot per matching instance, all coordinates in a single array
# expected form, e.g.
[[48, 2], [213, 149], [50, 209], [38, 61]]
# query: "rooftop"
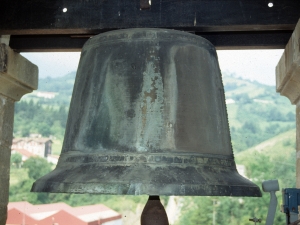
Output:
[[42, 213]]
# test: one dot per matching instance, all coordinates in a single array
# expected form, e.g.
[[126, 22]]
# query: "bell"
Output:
[[147, 117]]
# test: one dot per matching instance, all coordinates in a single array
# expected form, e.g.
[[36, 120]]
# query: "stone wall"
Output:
[[18, 76]]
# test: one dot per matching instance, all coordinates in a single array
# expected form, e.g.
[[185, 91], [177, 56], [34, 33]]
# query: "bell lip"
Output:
[[55, 182], [192, 175], [41, 186]]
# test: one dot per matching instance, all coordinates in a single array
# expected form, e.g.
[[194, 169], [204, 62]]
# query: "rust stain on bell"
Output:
[[148, 116]]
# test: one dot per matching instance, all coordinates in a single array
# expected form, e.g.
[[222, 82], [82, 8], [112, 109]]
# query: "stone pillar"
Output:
[[18, 76], [288, 83]]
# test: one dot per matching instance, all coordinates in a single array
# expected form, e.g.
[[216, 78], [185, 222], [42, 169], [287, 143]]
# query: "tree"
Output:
[[32, 117], [290, 116], [37, 167], [275, 115], [196, 210], [25, 131], [16, 159], [44, 129], [243, 98], [251, 126], [22, 190]]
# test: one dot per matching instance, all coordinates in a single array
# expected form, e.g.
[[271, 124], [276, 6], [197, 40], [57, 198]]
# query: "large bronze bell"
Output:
[[147, 117]]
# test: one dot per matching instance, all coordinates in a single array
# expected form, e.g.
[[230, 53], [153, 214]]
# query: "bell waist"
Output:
[[147, 158]]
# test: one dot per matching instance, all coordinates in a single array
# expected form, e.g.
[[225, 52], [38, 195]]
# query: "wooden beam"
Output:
[[93, 16], [221, 40], [47, 43], [248, 40]]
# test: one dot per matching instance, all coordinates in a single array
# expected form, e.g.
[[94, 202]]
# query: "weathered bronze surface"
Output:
[[147, 117]]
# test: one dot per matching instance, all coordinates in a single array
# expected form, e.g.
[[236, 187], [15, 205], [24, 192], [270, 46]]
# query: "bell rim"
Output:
[[146, 178], [212, 190]]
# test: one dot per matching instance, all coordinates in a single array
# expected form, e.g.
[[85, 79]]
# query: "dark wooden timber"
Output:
[[221, 40], [248, 40], [47, 43], [92, 16], [228, 24]]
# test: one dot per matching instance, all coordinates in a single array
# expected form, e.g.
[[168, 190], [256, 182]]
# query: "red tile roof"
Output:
[[24, 152], [27, 139], [61, 213]]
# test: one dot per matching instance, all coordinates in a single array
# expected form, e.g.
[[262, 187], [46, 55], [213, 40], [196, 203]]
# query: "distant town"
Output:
[[34, 145]]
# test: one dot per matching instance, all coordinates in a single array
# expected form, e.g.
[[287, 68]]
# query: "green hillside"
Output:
[[255, 112], [271, 159], [282, 144], [62, 86]]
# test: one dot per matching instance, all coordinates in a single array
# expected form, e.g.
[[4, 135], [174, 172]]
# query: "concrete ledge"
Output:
[[288, 69], [18, 76], [6, 122]]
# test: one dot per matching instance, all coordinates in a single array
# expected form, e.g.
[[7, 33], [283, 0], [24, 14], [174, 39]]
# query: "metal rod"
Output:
[[154, 212]]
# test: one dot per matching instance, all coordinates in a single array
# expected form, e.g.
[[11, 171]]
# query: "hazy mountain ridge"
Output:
[[255, 112], [58, 84]]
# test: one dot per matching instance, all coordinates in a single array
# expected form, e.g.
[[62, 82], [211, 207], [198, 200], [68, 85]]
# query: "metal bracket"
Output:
[[291, 201]]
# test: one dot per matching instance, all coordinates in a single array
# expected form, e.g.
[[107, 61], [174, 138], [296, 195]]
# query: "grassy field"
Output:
[[243, 86], [17, 175], [279, 153], [232, 115], [273, 146], [56, 146]]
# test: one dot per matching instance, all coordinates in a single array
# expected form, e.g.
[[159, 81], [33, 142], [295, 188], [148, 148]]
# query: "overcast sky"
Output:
[[256, 65]]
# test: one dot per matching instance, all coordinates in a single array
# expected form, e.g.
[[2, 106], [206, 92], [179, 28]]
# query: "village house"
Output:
[[27, 147], [24, 153], [47, 95], [53, 159]]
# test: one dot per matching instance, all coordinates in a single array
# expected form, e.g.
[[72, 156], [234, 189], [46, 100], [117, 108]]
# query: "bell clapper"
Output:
[[154, 212]]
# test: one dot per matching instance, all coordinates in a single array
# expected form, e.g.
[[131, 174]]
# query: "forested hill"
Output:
[[37, 114], [256, 112], [62, 85]]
